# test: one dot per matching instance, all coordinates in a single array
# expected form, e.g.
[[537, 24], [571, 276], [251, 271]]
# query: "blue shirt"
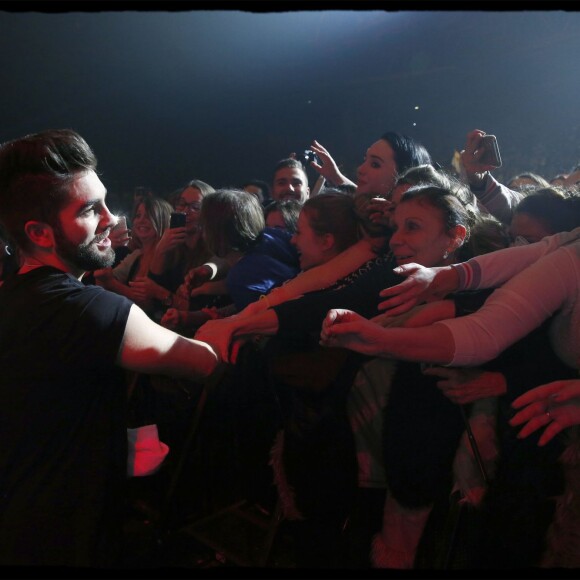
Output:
[[268, 264]]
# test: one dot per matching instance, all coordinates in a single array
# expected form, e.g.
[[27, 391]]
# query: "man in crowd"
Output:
[[290, 181]]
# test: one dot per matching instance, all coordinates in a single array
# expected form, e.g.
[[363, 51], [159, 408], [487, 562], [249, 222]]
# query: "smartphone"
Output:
[[177, 219], [318, 186], [491, 154]]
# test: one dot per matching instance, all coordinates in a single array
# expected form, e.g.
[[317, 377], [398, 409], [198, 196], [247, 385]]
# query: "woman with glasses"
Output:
[[181, 248]]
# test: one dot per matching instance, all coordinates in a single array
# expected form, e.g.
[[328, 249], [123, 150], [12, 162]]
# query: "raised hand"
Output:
[[327, 167], [171, 238], [471, 157]]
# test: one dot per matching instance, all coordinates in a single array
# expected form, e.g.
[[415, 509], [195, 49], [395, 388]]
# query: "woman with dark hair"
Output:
[[386, 158], [283, 214], [261, 258], [544, 212], [384, 161], [327, 225]]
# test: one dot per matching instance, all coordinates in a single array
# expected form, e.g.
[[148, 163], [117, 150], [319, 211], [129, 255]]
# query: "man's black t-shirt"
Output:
[[63, 451]]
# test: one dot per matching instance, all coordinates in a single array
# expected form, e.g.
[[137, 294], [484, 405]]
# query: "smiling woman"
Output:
[[129, 278], [327, 225], [429, 226]]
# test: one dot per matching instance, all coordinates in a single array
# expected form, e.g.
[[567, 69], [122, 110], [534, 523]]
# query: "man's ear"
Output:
[[40, 234]]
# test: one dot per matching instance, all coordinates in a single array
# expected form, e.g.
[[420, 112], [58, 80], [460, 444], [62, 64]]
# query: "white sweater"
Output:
[[536, 281]]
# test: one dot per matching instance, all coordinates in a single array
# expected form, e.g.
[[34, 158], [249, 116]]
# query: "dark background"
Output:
[[167, 95]]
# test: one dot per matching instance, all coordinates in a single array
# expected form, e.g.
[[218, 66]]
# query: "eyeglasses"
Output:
[[184, 206]]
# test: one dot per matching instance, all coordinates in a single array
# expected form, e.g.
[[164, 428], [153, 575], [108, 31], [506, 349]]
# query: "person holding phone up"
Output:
[[181, 247], [477, 162]]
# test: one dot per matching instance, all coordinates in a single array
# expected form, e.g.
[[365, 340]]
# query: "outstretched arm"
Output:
[[489, 270], [319, 277], [150, 348], [344, 328], [222, 333]]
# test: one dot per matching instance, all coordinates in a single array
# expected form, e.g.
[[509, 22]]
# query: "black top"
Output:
[[303, 317], [63, 457]]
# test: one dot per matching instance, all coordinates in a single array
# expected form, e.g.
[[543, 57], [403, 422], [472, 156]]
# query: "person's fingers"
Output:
[[235, 347], [538, 394], [550, 432], [533, 425], [320, 149], [404, 285], [338, 330], [537, 409], [396, 306]]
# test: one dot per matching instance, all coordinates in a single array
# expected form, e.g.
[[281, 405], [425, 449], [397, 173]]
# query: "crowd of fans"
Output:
[[359, 395]]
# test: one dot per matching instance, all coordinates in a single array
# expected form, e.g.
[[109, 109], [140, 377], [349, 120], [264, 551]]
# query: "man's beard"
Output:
[[290, 195], [86, 256]]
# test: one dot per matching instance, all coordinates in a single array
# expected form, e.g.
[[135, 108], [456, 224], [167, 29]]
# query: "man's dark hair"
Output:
[[35, 176], [289, 162]]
